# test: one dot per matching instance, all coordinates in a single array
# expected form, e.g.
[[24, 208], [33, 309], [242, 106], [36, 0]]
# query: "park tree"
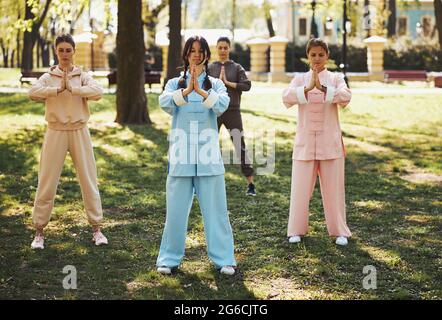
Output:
[[438, 14], [215, 14], [131, 97], [266, 6], [35, 13], [32, 18], [150, 19], [233, 19], [391, 24], [174, 53], [11, 12]]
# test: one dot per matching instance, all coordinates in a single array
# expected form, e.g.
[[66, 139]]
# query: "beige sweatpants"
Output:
[[331, 176], [55, 146]]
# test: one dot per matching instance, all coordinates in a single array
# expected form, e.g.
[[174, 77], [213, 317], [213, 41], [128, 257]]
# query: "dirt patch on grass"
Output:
[[423, 178]]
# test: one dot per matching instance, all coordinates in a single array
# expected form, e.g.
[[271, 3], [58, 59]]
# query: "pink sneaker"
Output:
[[38, 242], [99, 238]]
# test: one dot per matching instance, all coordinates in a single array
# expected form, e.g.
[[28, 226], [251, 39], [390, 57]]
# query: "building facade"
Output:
[[415, 20]]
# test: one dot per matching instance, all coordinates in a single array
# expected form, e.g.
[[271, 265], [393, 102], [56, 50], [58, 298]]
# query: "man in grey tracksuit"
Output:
[[234, 77]]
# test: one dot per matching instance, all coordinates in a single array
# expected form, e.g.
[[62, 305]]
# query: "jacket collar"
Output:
[[323, 72], [224, 63], [200, 77], [56, 71]]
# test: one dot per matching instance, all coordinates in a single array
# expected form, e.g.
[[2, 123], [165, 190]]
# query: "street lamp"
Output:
[[419, 28], [293, 20], [343, 65], [329, 23], [313, 26], [91, 25]]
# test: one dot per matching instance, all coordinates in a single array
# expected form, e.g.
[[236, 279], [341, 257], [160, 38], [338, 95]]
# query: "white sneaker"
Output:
[[38, 242], [164, 270], [342, 241], [99, 238], [295, 239], [229, 270]]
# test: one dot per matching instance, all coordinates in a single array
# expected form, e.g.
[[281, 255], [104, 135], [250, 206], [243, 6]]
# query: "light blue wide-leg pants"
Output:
[[211, 194]]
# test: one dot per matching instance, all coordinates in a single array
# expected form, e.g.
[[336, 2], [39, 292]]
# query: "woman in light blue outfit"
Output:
[[195, 100]]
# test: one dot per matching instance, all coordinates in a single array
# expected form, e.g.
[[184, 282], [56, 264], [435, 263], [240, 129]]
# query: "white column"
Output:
[[258, 58], [277, 59], [375, 57]]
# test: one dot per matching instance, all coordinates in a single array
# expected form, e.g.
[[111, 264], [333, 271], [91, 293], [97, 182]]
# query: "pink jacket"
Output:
[[318, 134]]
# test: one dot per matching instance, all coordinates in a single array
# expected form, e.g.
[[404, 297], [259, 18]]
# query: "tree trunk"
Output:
[[29, 38], [18, 48], [367, 21], [5, 54], [438, 14], [233, 22], [152, 20], [391, 25], [268, 17], [38, 51], [12, 58], [131, 97], [45, 54], [27, 62], [74, 21], [44, 51], [174, 54]]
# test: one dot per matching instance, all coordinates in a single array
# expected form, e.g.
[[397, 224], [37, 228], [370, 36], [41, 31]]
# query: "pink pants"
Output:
[[331, 176]]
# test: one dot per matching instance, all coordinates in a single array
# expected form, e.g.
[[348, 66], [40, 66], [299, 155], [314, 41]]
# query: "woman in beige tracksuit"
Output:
[[65, 90]]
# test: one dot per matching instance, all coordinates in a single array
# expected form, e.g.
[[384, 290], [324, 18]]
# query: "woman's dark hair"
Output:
[[223, 39], [65, 37], [206, 57], [317, 42]]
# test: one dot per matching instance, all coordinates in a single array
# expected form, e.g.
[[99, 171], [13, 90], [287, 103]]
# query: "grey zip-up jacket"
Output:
[[234, 73]]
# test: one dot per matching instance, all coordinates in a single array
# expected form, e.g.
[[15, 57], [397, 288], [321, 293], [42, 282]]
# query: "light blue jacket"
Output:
[[193, 141]]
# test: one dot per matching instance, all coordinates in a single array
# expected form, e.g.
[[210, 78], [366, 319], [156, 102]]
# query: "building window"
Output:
[[302, 26], [402, 26]]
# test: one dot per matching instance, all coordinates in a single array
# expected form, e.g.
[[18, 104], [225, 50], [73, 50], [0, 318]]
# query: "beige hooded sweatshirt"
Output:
[[66, 110]]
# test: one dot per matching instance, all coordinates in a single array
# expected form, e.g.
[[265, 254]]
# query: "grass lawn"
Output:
[[393, 196]]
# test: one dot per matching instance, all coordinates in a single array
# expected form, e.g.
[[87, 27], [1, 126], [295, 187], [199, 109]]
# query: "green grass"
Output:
[[396, 221]]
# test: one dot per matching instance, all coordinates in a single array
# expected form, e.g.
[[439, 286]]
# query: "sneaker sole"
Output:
[[227, 273], [166, 272], [295, 241]]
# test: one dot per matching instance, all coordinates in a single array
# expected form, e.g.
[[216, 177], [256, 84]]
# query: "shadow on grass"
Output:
[[133, 199], [19, 104], [396, 228]]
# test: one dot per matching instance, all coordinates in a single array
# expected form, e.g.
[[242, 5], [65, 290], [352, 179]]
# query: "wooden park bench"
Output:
[[30, 75], [405, 75], [150, 77]]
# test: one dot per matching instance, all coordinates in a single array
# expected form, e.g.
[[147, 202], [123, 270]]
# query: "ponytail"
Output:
[[182, 81], [207, 84]]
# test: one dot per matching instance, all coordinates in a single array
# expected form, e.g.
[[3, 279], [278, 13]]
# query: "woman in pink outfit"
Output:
[[318, 147]]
